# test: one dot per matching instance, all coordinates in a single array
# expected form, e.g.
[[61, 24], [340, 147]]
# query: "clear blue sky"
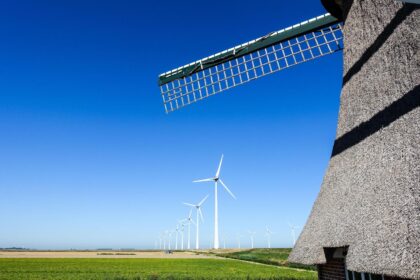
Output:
[[88, 158]]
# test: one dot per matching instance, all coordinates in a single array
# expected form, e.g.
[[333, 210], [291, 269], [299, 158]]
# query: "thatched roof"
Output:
[[370, 196]]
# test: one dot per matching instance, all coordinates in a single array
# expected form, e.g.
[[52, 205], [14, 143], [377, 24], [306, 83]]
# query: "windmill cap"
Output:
[[334, 7]]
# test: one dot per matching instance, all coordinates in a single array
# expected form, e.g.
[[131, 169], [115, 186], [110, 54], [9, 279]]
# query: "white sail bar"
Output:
[[276, 51]]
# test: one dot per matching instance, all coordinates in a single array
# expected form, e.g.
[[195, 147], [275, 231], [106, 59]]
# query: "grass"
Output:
[[276, 256], [136, 269]]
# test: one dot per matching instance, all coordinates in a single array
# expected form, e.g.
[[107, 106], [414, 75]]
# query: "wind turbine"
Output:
[[176, 236], [268, 233], [182, 234], [216, 179], [165, 239], [160, 241], [199, 213], [239, 241], [251, 235], [189, 221], [170, 239], [292, 229]]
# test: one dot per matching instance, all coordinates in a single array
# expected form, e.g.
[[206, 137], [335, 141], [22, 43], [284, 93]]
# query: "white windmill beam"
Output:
[[268, 54], [285, 33]]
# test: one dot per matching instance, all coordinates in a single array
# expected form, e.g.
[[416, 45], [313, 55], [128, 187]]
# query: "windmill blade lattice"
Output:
[[276, 51]]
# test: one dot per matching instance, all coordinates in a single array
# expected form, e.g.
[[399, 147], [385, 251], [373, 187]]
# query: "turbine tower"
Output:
[[268, 233], [216, 179], [197, 222]]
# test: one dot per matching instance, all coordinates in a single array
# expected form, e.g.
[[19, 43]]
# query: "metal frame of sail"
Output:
[[278, 50]]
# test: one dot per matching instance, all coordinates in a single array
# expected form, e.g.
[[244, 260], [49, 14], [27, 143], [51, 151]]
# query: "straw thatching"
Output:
[[370, 196]]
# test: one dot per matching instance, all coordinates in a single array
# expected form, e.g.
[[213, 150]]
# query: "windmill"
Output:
[[268, 234], [379, 100], [197, 222], [216, 179]]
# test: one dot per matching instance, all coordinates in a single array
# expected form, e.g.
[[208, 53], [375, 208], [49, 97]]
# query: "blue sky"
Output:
[[88, 158]]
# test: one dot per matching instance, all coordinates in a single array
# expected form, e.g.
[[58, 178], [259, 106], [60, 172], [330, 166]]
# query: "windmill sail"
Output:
[[271, 53]]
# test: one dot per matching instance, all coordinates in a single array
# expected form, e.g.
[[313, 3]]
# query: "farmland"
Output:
[[145, 268]]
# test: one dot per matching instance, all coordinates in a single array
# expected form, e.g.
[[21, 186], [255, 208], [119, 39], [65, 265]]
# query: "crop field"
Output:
[[276, 256], [135, 269]]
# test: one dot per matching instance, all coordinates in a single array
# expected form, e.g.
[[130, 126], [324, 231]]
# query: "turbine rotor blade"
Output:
[[220, 166], [189, 204], [202, 201], [227, 189], [201, 215], [204, 180], [189, 215]]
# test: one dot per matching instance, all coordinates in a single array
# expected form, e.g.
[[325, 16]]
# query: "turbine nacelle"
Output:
[[268, 232], [217, 179], [197, 207]]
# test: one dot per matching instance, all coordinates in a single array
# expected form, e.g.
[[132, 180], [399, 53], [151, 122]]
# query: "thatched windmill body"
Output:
[[365, 223]]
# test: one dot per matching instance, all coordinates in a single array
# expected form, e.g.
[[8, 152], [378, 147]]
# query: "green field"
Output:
[[134, 269], [267, 256]]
